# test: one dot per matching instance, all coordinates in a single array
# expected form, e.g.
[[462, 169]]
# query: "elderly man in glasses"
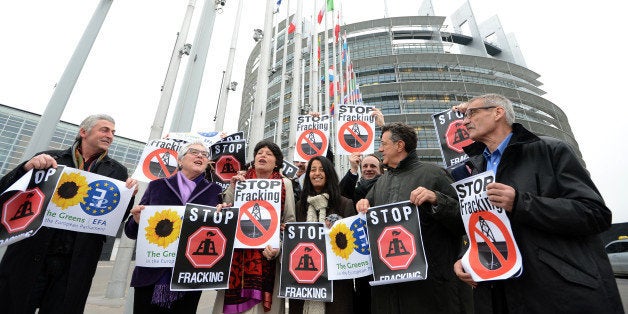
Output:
[[555, 210]]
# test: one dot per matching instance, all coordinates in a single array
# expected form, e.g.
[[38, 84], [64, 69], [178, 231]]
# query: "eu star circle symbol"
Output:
[[358, 227], [102, 198]]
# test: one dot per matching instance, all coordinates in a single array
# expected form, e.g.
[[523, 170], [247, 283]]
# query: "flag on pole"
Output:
[[278, 4], [318, 56], [330, 5], [344, 49], [337, 27], [331, 73], [291, 27], [321, 13]]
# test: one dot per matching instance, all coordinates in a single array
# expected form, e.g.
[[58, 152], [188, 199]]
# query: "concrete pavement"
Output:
[[98, 304]]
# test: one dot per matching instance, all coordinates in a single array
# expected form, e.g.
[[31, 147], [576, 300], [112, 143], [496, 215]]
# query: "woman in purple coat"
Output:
[[188, 185]]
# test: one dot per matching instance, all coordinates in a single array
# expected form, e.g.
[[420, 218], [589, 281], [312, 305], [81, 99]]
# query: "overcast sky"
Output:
[[576, 48]]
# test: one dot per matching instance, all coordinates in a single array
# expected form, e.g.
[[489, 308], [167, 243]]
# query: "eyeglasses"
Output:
[[472, 111], [196, 153]]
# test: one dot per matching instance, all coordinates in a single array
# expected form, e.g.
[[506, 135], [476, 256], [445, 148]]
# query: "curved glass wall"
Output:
[[406, 66]]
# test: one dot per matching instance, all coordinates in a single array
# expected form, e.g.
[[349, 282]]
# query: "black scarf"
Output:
[[364, 186]]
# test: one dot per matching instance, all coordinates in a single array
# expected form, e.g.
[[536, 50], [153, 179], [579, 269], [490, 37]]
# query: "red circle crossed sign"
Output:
[[506, 262], [304, 140], [162, 169], [361, 144], [266, 233]]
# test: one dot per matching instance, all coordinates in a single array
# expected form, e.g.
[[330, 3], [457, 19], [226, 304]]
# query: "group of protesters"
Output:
[[554, 208]]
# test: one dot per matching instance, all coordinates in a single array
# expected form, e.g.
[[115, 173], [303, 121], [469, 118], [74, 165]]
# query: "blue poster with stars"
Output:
[[348, 253], [87, 202]]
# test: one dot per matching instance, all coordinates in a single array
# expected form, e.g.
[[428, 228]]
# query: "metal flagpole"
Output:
[[219, 118], [314, 66], [180, 48], [326, 63], [118, 280], [296, 77], [188, 95], [302, 91], [52, 114], [310, 55], [386, 8], [258, 112], [273, 66], [341, 67], [282, 86], [337, 73]]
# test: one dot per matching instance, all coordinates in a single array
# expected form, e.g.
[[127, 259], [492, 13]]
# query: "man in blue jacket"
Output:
[[555, 211], [53, 269]]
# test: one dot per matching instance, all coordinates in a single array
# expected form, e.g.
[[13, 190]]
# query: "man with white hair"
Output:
[[555, 211], [53, 269]]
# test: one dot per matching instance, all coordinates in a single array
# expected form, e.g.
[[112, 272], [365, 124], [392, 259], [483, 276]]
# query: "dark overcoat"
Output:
[[23, 261], [556, 220], [442, 230]]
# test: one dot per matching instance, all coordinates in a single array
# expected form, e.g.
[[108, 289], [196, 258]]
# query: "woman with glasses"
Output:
[[187, 185]]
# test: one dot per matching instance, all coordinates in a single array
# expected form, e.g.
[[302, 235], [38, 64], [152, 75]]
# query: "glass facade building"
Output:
[[17, 127], [414, 66]]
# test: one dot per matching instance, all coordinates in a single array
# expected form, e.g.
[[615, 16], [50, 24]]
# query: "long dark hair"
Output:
[[331, 185]]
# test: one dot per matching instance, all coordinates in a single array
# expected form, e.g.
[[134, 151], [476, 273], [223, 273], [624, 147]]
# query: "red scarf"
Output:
[[250, 271]]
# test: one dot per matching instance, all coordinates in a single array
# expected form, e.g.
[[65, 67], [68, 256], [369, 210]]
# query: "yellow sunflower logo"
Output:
[[71, 190], [163, 227], [342, 240]]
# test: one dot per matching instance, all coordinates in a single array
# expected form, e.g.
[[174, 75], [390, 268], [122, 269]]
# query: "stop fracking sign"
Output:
[[228, 158], [312, 137], [493, 253], [452, 136], [303, 263], [24, 204], [396, 243], [356, 130], [205, 248]]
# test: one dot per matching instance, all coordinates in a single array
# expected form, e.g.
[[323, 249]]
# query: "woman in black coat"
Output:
[[321, 201]]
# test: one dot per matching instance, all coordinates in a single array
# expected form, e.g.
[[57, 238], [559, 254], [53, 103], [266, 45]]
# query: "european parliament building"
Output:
[[414, 66]]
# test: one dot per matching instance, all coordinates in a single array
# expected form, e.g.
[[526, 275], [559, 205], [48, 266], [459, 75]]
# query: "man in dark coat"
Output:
[[429, 187], [53, 269], [354, 187], [555, 211]]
